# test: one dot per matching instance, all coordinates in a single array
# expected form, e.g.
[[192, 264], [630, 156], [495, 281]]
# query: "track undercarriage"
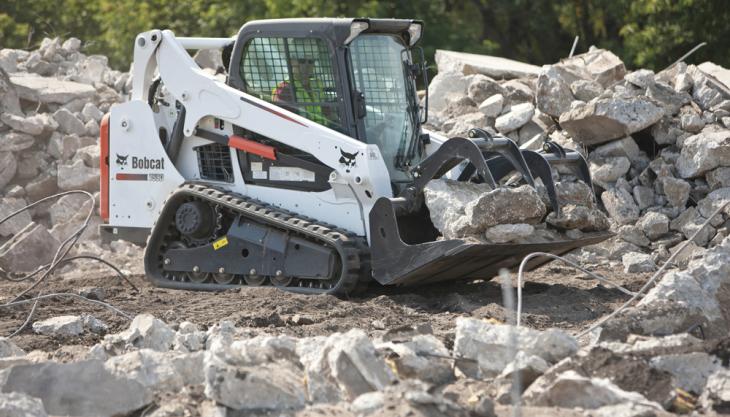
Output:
[[209, 239]]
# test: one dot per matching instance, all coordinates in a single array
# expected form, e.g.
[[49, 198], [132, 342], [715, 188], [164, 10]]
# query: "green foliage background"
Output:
[[645, 33]]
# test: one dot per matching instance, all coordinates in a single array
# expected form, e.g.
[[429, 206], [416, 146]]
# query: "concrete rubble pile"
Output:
[[657, 144], [228, 372], [52, 101]]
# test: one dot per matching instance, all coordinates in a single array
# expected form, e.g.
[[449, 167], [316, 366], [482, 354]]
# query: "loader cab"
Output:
[[355, 76]]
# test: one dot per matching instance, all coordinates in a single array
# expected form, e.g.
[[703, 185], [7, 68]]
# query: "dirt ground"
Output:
[[554, 296]]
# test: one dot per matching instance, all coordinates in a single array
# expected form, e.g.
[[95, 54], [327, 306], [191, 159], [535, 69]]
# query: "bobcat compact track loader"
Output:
[[303, 168]]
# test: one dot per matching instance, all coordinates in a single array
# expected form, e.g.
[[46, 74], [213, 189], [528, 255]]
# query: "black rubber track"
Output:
[[352, 250]]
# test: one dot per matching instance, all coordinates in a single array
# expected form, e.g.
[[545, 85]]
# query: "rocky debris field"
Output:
[[656, 148]]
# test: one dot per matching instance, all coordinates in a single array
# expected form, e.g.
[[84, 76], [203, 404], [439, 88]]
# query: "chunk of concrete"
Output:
[[342, 366], [676, 190], [704, 152], [490, 345], [145, 332], [517, 117], [9, 349], [654, 225], [503, 233], [8, 168], [48, 90], [78, 176], [30, 248], [19, 221], [276, 386], [16, 404], [607, 118], [620, 205], [492, 106], [716, 396], [82, 388], [571, 390], [635, 262], [579, 217], [506, 206], [491, 66], [60, 326], [424, 358], [158, 371], [605, 171], [690, 369], [68, 122]]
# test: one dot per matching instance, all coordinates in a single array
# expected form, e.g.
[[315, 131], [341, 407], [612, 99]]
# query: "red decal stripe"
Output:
[[247, 145], [132, 177]]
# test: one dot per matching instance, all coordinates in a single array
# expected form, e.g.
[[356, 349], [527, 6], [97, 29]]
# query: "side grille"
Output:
[[214, 162]]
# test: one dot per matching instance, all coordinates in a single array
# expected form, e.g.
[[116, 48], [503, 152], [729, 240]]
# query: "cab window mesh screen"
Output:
[[379, 76], [294, 73]]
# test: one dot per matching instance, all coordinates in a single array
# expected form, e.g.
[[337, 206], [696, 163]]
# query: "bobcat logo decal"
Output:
[[347, 159], [122, 160]]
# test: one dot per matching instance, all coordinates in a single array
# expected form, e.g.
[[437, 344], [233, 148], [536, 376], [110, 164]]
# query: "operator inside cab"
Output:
[[303, 89]]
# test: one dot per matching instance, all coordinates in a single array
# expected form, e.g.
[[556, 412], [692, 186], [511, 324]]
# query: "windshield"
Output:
[[380, 70]]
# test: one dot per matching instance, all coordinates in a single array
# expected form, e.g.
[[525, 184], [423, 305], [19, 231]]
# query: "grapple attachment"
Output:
[[406, 248]]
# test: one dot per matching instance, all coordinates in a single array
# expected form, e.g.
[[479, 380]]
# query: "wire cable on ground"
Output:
[[71, 295], [593, 275], [656, 275], [58, 258], [634, 296]]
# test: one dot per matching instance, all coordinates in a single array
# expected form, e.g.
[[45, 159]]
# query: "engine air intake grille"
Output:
[[214, 162]]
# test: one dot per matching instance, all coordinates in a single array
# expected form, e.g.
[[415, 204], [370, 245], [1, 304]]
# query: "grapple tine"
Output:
[[505, 148], [557, 155], [541, 168], [447, 156]]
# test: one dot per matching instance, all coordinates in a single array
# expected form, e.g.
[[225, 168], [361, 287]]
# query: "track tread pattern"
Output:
[[352, 249]]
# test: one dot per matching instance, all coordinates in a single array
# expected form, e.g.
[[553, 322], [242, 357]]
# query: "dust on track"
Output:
[[554, 296]]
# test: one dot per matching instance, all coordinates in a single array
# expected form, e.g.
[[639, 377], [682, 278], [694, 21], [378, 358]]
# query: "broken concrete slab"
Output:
[[145, 331], [16, 223], [676, 190], [690, 369], [517, 117], [607, 118], [635, 262], [571, 390], [8, 168], [492, 106], [30, 248], [491, 347], [490, 66], [16, 404], [75, 389], [275, 386], [620, 205], [424, 358], [60, 326], [158, 371], [9, 349], [716, 396], [505, 206], [579, 217], [48, 90], [704, 152], [654, 224], [78, 176], [342, 366], [503, 233]]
